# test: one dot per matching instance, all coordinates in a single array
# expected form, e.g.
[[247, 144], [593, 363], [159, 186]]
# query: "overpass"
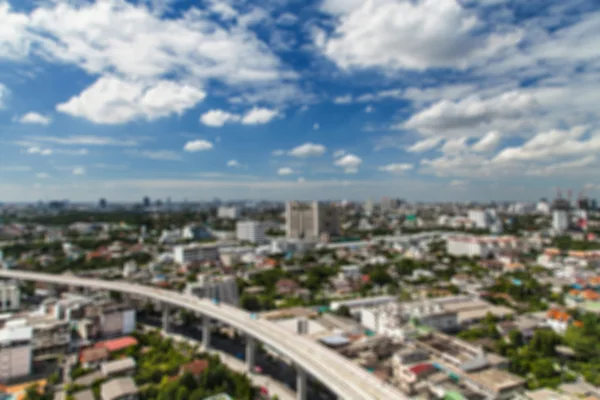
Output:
[[344, 378]]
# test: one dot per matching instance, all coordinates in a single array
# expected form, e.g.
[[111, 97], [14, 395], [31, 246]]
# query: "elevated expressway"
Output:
[[345, 379]]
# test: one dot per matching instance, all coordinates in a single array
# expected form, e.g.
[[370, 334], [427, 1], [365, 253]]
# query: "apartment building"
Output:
[[50, 338], [10, 296], [15, 350], [481, 246], [250, 231], [311, 221], [215, 287], [229, 212], [185, 254]]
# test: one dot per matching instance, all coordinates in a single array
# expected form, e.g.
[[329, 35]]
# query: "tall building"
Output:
[[146, 201], [388, 204], [368, 207], [251, 231], [229, 212], [560, 220], [483, 219], [10, 296], [15, 350], [102, 203], [223, 289], [310, 220]]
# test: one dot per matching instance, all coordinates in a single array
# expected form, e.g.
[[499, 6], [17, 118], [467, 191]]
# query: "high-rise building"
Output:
[[368, 207], [146, 201], [223, 289], [483, 219], [560, 220], [388, 204], [251, 231], [310, 220], [102, 203]]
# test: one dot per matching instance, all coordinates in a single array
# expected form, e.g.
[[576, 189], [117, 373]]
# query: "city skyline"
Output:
[[423, 100]]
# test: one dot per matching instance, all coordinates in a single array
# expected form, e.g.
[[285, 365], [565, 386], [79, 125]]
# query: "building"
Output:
[[222, 288], [481, 246], [184, 254], [368, 207], [229, 212], [388, 204], [195, 232], [50, 338], [560, 220], [10, 296], [355, 305], [15, 350], [250, 231], [482, 219], [310, 220], [123, 366], [119, 389]]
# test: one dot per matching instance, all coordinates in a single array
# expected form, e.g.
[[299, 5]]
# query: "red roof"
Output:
[[118, 344], [196, 367], [421, 368]]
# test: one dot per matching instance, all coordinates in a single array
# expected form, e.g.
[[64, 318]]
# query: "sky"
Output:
[[430, 100]]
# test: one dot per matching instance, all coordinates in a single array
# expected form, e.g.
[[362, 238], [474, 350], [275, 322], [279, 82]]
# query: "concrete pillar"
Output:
[[301, 384], [165, 318], [250, 353], [206, 332]]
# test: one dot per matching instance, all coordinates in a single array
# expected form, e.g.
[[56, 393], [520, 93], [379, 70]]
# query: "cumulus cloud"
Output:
[[349, 162], [308, 150], [197, 145], [39, 150], [114, 100], [424, 145], [78, 171], [35, 118], [218, 118], [403, 34], [346, 99], [257, 116], [453, 146], [285, 171], [487, 143], [316, 126], [368, 109], [471, 112], [233, 163], [396, 168]]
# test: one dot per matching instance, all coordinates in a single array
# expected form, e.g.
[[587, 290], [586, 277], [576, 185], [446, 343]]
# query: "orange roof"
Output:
[[118, 344], [578, 324], [574, 292], [558, 315], [590, 295]]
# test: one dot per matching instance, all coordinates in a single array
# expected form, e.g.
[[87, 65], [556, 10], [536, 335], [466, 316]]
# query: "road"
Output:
[[340, 375]]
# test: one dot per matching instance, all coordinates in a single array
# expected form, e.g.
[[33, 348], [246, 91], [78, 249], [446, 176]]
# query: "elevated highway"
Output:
[[345, 379]]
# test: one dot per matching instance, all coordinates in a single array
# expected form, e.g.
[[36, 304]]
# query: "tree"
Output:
[[343, 311], [250, 302]]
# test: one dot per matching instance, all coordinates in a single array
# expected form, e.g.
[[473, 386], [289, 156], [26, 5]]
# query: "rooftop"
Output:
[[496, 379]]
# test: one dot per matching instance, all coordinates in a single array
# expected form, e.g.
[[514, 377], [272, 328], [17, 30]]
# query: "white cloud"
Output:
[[197, 145], [471, 113], [316, 126], [88, 140], [547, 146], [396, 168], [278, 152], [39, 150], [453, 146], [349, 162], [308, 150], [159, 155], [347, 99], [381, 95], [42, 175], [218, 118], [368, 109], [233, 163], [285, 171], [257, 116], [424, 145], [487, 143], [14, 38], [339, 153], [565, 167], [4, 92], [402, 34], [78, 171], [35, 118], [113, 100]]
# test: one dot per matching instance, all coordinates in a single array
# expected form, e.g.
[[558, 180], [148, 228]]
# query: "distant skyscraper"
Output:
[[146, 201], [102, 203], [388, 204], [368, 207], [310, 220]]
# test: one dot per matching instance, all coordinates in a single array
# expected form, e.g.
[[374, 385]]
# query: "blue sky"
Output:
[[287, 99]]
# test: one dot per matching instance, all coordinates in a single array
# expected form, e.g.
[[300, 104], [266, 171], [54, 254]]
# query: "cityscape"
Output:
[[299, 200]]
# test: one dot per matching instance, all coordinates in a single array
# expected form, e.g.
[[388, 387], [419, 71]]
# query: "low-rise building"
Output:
[[15, 350], [119, 389], [481, 246], [222, 288], [191, 253], [250, 231], [123, 366], [10, 296], [229, 212]]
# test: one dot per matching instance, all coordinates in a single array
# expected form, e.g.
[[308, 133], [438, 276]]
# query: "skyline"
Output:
[[424, 100]]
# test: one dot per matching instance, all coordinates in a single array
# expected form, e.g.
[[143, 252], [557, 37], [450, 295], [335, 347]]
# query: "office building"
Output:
[[310, 220], [185, 254], [369, 207], [250, 231], [223, 289], [560, 220], [15, 350], [483, 219], [10, 296], [229, 212], [388, 204]]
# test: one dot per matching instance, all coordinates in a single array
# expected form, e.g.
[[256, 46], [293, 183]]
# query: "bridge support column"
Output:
[[250, 353], [301, 384], [166, 310], [206, 332]]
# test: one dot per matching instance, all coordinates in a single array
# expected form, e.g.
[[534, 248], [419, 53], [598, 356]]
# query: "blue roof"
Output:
[[335, 340]]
